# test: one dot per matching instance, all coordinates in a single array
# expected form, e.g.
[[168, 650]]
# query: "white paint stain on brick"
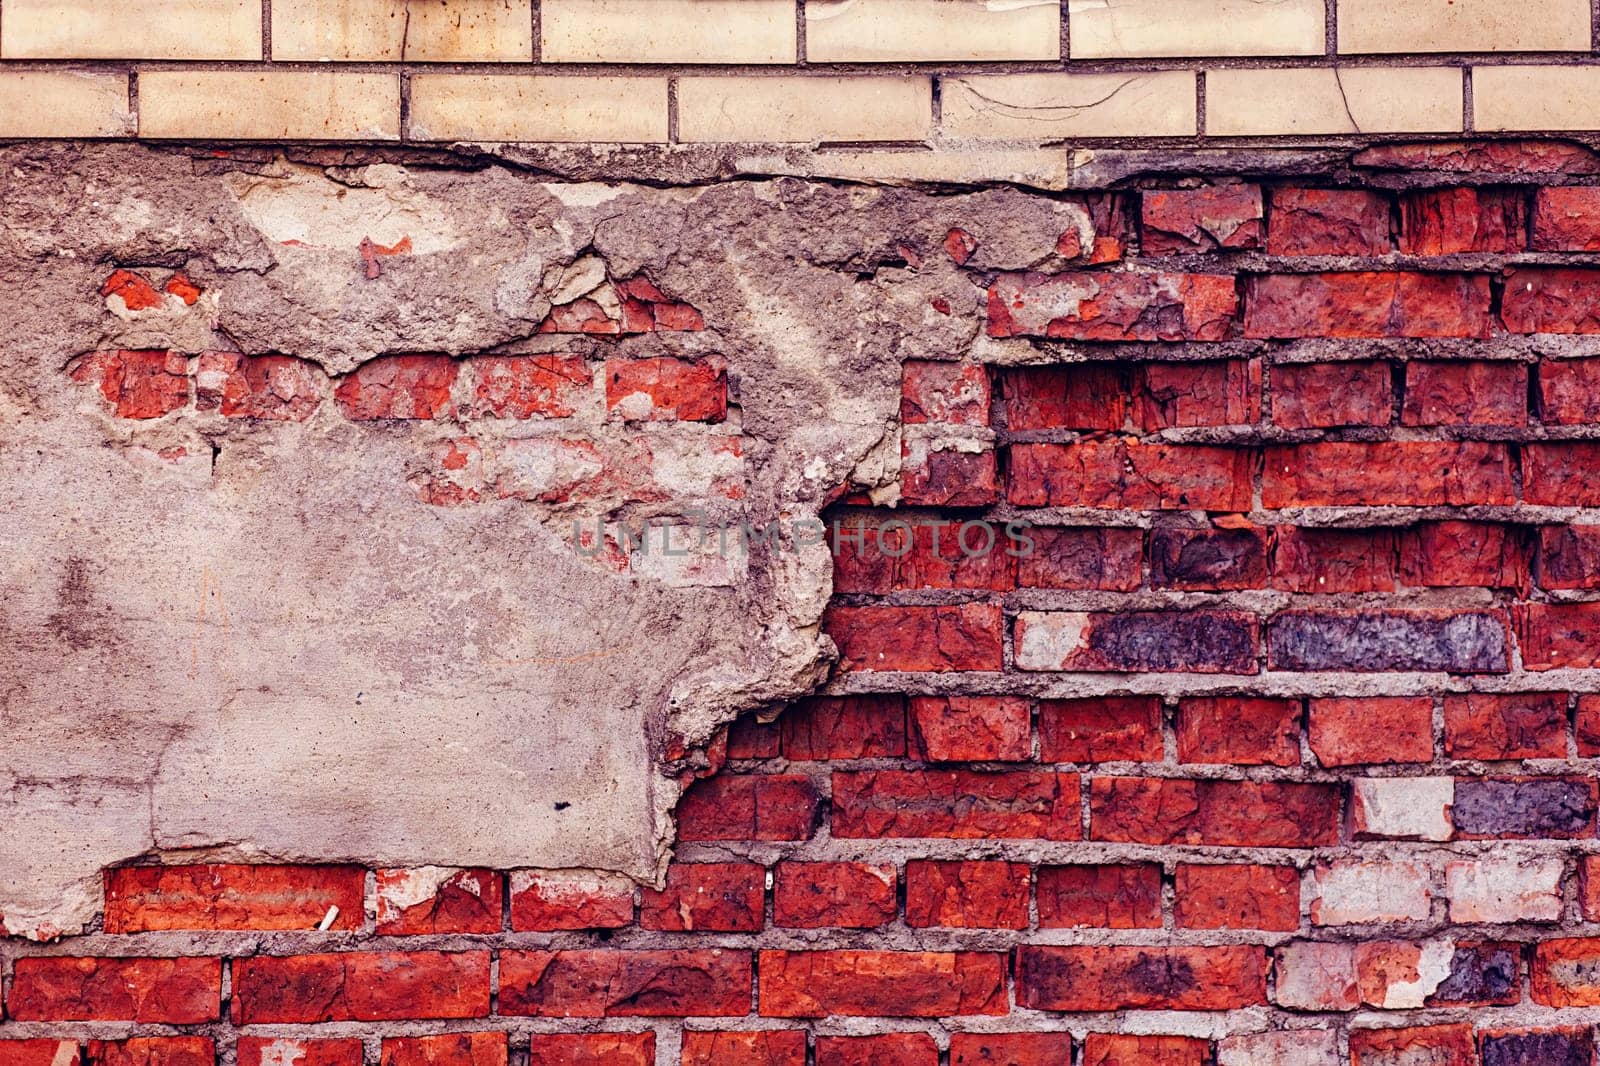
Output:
[[1352, 892], [1511, 889], [1415, 808]]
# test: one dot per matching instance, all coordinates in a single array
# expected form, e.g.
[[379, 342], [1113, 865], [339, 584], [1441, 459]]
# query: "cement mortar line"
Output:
[[1062, 685]]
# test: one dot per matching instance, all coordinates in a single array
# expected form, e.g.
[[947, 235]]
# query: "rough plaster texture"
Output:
[[244, 638]]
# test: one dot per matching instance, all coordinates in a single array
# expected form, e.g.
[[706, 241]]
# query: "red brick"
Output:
[[1485, 725], [1588, 726], [1237, 897], [1327, 561], [272, 388], [966, 895], [1010, 1049], [1177, 395], [1101, 729], [666, 390], [543, 900], [917, 639], [447, 1049], [764, 1047], [1113, 306], [1466, 555], [1589, 887], [1133, 978], [950, 393], [361, 986], [47, 1052], [1107, 559], [625, 984], [885, 1049], [1119, 473], [1566, 218], [1450, 221], [748, 807], [643, 309], [180, 286], [900, 984], [1569, 392], [148, 898], [959, 804], [970, 728], [1372, 729], [1201, 220], [1328, 222], [845, 727], [1102, 897], [947, 474], [1251, 814], [1241, 730], [707, 897], [1562, 474], [1366, 304], [135, 290], [1438, 1045], [1551, 300], [182, 991], [398, 386], [877, 554], [1566, 973], [1559, 635], [1208, 560], [529, 386], [467, 901], [1393, 474], [282, 1051], [1465, 393], [592, 1049], [1076, 396], [750, 738], [1199, 641], [153, 1051], [1317, 395], [820, 895], [1101, 1049], [137, 384]]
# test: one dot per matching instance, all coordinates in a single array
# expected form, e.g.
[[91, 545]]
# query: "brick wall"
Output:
[[1277, 747], [945, 73]]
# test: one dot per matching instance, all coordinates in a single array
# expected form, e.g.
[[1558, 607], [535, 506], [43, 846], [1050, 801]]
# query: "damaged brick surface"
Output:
[[1276, 746]]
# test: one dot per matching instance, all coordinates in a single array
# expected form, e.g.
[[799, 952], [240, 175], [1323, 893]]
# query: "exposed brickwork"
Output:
[[1284, 714]]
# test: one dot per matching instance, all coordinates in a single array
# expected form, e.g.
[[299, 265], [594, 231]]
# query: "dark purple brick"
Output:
[[1457, 641], [1539, 807]]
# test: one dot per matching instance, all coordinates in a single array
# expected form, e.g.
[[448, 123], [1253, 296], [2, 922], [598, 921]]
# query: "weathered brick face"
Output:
[[1233, 651]]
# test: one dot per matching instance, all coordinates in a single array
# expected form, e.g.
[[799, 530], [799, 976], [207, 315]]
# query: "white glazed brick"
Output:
[[1322, 100], [391, 31], [1535, 98], [130, 29], [533, 107], [1463, 26], [269, 105], [804, 109], [1132, 29], [878, 31], [1036, 107], [667, 31], [52, 103]]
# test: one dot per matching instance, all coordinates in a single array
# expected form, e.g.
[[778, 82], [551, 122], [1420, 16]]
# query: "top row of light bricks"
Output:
[[775, 32]]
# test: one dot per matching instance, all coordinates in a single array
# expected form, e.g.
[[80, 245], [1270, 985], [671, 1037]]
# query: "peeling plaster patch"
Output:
[[296, 208]]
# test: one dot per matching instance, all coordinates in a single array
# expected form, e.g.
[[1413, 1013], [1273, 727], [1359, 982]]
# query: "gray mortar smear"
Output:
[[270, 649]]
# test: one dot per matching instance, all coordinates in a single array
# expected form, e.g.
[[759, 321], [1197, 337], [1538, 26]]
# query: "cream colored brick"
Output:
[[425, 31], [49, 103], [131, 29], [1033, 107], [1463, 26], [879, 31], [506, 107], [1535, 98], [1252, 103], [667, 31], [269, 105], [1105, 29], [805, 109]]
